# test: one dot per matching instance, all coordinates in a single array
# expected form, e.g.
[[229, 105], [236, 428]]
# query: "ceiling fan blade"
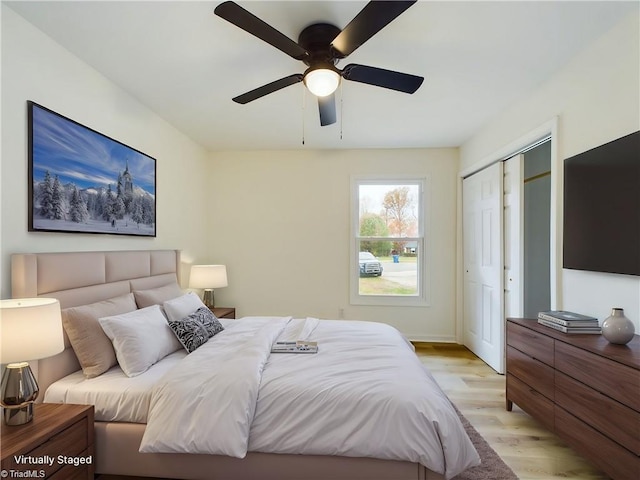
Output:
[[268, 88], [234, 13], [327, 107], [372, 18], [379, 77]]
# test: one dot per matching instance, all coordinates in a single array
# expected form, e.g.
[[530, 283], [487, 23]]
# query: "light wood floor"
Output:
[[531, 451]]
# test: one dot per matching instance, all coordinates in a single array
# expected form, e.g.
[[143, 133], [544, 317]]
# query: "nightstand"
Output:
[[58, 443], [224, 312]]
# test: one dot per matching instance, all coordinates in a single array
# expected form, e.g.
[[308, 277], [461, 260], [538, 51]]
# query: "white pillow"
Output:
[[182, 307], [140, 338]]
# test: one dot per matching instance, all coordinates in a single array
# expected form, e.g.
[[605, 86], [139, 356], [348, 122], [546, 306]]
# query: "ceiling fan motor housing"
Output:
[[316, 40]]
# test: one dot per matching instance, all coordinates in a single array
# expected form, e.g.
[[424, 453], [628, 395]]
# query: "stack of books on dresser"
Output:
[[569, 322]]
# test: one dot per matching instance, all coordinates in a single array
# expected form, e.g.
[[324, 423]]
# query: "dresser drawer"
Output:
[[607, 376], [615, 460], [613, 419], [534, 344], [531, 401], [532, 372]]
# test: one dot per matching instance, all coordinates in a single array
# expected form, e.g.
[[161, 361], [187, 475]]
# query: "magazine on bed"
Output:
[[299, 346]]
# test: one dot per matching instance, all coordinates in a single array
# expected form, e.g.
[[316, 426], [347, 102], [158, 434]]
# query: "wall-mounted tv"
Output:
[[602, 208]]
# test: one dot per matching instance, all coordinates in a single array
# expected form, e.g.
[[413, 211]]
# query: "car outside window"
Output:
[[369, 265]]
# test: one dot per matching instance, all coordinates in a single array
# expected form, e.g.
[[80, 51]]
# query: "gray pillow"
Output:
[[90, 344], [157, 296]]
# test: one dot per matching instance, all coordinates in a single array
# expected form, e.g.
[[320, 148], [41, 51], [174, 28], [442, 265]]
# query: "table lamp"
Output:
[[208, 277], [30, 329]]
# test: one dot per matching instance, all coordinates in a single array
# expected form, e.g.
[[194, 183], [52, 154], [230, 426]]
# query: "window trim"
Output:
[[422, 299]]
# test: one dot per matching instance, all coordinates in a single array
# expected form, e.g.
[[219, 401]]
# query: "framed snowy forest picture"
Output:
[[85, 182]]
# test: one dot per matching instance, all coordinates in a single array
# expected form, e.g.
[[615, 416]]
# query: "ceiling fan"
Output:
[[320, 46]]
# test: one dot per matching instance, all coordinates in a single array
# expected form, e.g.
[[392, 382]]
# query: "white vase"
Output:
[[617, 328]]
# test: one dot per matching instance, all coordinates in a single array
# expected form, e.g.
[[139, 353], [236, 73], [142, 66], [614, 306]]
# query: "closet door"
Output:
[[483, 265], [513, 256]]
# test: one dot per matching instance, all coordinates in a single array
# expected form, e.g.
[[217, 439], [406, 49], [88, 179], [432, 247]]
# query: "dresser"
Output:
[[57, 444], [582, 388]]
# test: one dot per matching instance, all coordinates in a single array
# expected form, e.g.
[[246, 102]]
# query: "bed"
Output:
[[259, 449]]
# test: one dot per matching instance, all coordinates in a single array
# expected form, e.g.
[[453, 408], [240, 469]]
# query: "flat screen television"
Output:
[[602, 208]]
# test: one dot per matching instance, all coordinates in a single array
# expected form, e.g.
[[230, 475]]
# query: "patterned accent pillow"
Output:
[[196, 329], [208, 320], [190, 332]]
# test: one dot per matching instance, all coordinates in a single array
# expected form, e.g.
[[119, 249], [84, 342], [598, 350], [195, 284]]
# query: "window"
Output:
[[388, 241]]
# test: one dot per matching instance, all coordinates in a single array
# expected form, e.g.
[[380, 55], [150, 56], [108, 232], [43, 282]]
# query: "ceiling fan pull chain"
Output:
[[304, 98], [341, 107]]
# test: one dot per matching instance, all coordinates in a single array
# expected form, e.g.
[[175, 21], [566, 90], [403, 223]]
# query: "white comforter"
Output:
[[364, 394]]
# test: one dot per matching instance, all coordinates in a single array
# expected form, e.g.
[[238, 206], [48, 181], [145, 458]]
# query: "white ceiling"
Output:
[[186, 64]]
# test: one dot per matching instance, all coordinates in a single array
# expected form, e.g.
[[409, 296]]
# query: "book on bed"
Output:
[[299, 346]]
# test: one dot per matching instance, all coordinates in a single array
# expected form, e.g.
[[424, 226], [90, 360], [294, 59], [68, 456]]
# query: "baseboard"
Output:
[[422, 344], [432, 338]]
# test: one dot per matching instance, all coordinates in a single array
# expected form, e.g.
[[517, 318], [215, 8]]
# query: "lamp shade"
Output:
[[208, 276], [30, 328]]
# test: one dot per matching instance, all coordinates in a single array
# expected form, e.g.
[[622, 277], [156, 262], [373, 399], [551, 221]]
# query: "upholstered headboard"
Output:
[[80, 278]]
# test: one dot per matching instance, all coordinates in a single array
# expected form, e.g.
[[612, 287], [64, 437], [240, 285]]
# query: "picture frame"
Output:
[[82, 181]]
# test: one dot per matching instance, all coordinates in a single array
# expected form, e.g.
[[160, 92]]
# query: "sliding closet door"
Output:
[[513, 237], [483, 265]]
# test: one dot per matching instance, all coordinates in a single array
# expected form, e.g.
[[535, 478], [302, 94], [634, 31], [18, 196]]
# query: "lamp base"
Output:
[[207, 298], [19, 391], [19, 415]]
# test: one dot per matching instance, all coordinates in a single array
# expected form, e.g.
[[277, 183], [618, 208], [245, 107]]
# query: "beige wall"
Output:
[[596, 99], [280, 222], [35, 68]]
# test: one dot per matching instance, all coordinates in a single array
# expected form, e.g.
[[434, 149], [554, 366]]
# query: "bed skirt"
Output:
[[117, 454]]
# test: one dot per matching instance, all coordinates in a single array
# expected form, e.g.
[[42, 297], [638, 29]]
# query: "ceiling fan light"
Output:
[[322, 81]]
